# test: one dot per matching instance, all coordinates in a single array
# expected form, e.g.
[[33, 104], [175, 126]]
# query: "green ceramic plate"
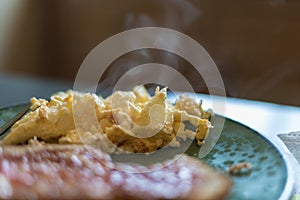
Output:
[[268, 178]]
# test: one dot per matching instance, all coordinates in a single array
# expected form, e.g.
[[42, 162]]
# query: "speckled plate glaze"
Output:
[[238, 143], [9, 112]]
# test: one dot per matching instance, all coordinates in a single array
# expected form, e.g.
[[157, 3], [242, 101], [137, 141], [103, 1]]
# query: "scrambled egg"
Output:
[[131, 120]]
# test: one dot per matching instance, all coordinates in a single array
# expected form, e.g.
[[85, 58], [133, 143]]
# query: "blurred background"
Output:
[[255, 44]]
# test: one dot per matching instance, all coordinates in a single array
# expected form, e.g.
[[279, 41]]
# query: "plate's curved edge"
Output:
[[291, 165], [289, 160]]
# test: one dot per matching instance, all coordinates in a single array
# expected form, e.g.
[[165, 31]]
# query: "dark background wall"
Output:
[[255, 44]]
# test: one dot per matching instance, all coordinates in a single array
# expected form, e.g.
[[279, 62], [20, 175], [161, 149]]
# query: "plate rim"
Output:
[[287, 157]]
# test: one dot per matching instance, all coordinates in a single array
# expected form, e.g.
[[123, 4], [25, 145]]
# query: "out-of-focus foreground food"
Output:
[[53, 171], [131, 120]]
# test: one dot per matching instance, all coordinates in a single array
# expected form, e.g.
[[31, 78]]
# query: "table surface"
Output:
[[266, 118]]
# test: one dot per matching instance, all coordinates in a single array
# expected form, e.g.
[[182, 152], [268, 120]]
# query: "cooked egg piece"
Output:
[[132, 120]]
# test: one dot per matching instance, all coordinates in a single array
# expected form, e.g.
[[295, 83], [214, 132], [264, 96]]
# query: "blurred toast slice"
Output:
[[80, 172]]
